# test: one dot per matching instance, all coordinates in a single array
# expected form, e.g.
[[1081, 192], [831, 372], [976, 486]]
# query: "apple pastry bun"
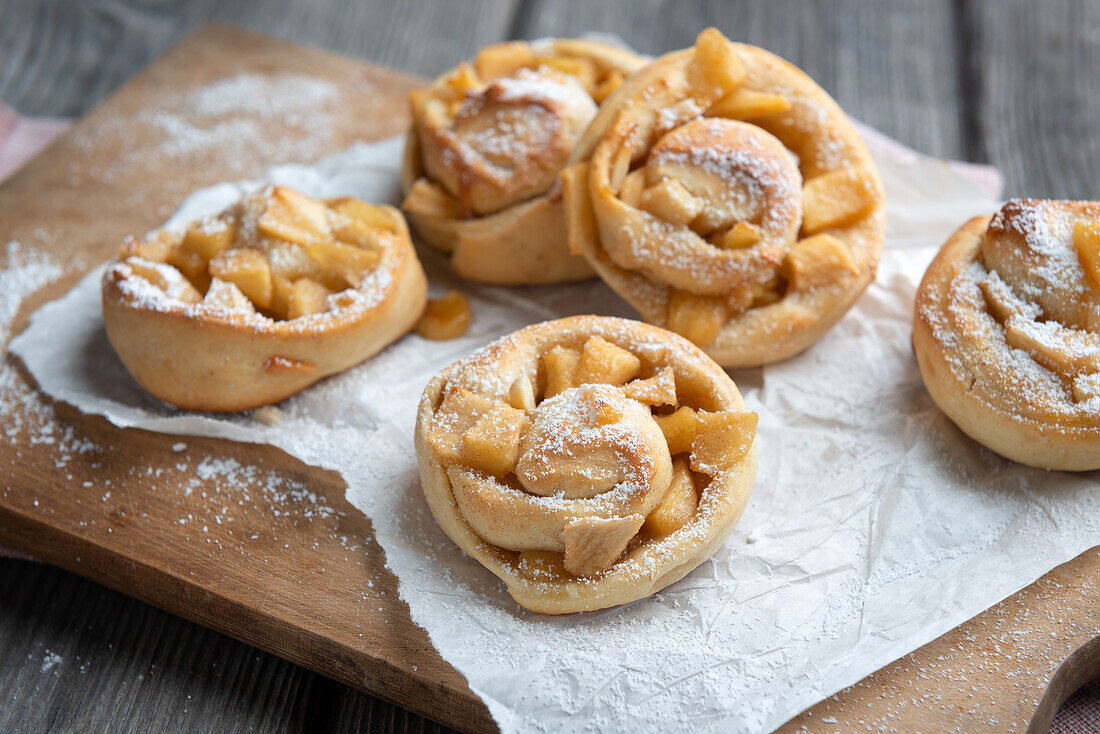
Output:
[[1007, 332], [587, 462], [726, 197], [488, 139], [251, 305]]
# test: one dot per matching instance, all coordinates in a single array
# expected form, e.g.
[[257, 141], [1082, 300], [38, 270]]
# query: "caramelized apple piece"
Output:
[[697, 318], [502, 59], [680, 429], [209, 237], [739, 236], [671, 201], [818, 261], [582, 69], [292, 217], [356, 232], [463, 80], [463, 407], [377, 217], [155, 248], [492, 443], [281, 288], [593, 544], [716, 63], [248, 270], [836, 199], [307, 297], [445, 318], [745, 104], [653, 391], [678, 505], [604, 412], [521, 395], [1086, 237], [349, 262], [427, 199], [222, 294], [166, 279], [722, 440], [603, 362], [193, 266], [459, 410], [560, 364]]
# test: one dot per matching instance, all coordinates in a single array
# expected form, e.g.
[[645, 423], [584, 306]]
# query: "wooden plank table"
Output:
[[1011, 83]]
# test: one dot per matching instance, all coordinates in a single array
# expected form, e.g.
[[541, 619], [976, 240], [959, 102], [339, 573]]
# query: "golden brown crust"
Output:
[[483, 154], [685, 197], [199, 353], [554, 458], [1003, 367]]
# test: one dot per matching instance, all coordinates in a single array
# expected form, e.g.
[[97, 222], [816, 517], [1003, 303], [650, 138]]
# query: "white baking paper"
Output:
[[872, 522]]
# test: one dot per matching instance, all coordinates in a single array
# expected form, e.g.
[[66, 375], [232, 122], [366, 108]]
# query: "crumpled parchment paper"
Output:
[[875, 525]]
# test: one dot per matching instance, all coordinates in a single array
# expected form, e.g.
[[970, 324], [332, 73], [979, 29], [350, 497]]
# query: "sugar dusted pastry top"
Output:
[[724, 195], [487, 142], [1007, 331], [252, 304], [588, 461], [496, 131]]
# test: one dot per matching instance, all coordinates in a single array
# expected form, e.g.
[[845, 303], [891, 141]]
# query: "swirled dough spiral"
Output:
[[725, 196], [1007, 332], [487, 143], [587, 462]]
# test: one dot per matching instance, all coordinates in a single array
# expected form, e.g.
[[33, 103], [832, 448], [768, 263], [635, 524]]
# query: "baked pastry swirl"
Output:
[[588, 461], [725, 196], [1007, 332], [251, 305], [487, 142]]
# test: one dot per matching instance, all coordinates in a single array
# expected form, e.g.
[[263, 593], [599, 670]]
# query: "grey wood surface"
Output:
[[1009, 82]]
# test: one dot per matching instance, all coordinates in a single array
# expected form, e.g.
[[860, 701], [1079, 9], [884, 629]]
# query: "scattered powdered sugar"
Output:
[[287, 99], [282, 495], [22, 409], [210, 121], [51, 662]]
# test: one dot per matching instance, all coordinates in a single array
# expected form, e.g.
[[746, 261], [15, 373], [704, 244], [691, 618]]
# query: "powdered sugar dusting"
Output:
[[224, 118], [993, 319], [22, 410]]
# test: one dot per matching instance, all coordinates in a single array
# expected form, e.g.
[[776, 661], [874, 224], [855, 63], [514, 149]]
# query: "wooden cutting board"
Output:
[[249, 541]]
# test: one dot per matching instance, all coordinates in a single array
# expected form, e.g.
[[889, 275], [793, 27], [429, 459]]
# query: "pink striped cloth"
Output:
[[23, 137]]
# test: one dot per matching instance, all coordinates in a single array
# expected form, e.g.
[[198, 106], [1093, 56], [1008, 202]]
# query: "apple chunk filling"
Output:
[[275, 252]]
